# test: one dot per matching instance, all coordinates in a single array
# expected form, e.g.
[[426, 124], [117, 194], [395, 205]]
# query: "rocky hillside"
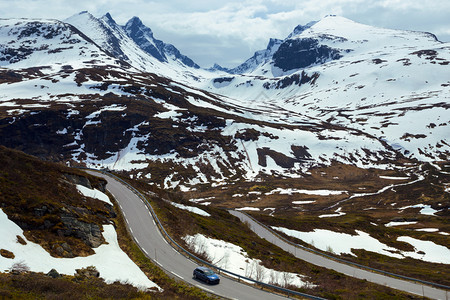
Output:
[[43, 199], [370, 98]]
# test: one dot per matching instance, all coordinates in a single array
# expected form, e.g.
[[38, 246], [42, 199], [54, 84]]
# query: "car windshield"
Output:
[[209, 272]]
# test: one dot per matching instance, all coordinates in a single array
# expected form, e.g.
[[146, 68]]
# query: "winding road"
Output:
[[147, 235], [319, 260]]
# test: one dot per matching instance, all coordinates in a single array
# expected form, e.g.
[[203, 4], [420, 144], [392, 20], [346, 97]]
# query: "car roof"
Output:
[[203, 268]]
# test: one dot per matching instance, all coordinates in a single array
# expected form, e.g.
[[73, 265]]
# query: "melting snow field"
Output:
[[340, 243], [234, 259], [192, 209], [248, 208], [112, 263], [290, 191], [338, 213], [394, 178], [93, 193], [425, 209], [303, 202], [393, 223]]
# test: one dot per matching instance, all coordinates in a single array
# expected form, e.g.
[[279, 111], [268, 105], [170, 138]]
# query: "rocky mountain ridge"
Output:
[[91, 95]]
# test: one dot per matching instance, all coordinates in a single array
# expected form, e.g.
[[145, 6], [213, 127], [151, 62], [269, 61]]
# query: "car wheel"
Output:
[[207, 281], [195, 276]]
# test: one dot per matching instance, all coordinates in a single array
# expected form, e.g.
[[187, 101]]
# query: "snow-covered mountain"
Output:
[[135, 44], [143, 37], [26, 43], [259, 58], [289, 51], [331, 38], [391, 84], [105, 95]]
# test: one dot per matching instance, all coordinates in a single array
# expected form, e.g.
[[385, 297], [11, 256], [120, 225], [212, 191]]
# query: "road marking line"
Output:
[[177, 275], [162, 236], [174, 250], [145, 251], [203, 288], [131, 229], [137, 241], [159, 263]]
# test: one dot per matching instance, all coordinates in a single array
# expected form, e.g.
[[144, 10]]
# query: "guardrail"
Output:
[[193, 257], [437, 285]]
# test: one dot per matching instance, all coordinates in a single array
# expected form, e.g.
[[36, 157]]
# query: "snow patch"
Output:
[[393, 223], [291, 191], [192, 209], [234, 259], [93, 193], [248, 208], [303, 202], [341, 243], [337, 214], [112, 263]]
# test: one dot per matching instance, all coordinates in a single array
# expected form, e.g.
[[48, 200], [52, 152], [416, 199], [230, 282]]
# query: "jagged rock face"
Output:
[[295, 79], [133, 43], [300, 28], [143, 37], [302, 53], [89, 233], [258, 58]]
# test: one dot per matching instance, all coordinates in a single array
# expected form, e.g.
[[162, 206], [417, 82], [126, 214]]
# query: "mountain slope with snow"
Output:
[[29, 43], [383, 99], [392, 84], [143, 36], [135, 44]]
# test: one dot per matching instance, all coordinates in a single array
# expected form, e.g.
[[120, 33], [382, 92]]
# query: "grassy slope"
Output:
[[361, 212], [27, 183], [35, 194], [385, 208], [221, 225]]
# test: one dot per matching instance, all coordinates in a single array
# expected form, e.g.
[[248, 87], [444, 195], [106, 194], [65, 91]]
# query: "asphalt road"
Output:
[[148, 237], [403, 285]]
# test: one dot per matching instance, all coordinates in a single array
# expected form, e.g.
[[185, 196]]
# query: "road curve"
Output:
[[403, 285], [146, 234]]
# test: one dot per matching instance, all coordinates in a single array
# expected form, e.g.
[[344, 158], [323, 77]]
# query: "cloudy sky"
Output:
[[228, 32]]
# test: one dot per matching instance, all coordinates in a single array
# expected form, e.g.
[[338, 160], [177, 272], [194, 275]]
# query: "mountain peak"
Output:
[[135, 20], [135, 24], [107, 17], [300, 28], [143, 37], [217, 67], [80, 16]]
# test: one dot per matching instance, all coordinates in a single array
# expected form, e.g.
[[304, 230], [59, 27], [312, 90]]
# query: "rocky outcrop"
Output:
[[302, 53], [87, 272], [89, 233], [53, 274]]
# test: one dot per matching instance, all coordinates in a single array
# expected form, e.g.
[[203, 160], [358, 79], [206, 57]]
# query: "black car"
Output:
[[206, 275]]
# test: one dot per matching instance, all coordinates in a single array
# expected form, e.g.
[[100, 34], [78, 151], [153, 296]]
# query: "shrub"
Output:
[[7, 254], [19, 267]]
